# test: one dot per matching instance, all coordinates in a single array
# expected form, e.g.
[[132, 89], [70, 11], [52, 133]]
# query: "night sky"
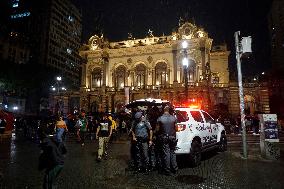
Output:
[[219, 18]]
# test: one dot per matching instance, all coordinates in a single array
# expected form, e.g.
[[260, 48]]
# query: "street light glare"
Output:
[[185, 62], [58, 78], [184, 44]]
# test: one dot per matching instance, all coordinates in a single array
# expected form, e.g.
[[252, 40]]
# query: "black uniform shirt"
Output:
[[167, 124]]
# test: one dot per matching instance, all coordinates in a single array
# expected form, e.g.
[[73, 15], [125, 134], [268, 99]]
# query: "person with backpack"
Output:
[[142, 136]]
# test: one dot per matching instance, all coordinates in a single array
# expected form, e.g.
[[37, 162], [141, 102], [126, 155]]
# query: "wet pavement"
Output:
[[19, 159]]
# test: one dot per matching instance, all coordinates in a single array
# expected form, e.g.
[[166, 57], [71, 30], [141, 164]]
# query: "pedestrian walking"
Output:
[[114, 128], [61, 127], [167, 138], [104, 132], [82, 124], [140, 129], [51, 159]]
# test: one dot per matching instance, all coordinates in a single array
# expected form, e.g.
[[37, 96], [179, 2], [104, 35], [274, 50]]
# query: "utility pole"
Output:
[[245, 48]]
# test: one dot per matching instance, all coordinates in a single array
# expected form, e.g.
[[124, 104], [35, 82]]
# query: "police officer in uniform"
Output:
[[167, 139], [140, 129]]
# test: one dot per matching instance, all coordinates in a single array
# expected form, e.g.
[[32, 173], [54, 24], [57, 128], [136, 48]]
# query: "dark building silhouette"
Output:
[[40, 36], [276, 26], [45, 32]]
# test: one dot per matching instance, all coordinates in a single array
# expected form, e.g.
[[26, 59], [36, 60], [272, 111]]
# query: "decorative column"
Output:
[[83, 76], [105, 58], [202, 51], [175, 63]]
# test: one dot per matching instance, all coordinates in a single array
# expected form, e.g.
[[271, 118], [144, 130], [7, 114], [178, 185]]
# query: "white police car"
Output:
[[197, 132]]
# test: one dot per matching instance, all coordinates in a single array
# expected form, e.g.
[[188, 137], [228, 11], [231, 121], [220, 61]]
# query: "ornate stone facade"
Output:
[[153, 67]]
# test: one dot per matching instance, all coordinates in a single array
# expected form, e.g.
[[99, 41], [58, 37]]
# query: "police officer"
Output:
[[140, 129], [167, 138]]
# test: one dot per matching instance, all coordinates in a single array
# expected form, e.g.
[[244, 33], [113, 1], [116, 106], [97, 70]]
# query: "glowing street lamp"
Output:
[[185, 65], [185, 62], [58, 78], [58, 87], [184, 44]]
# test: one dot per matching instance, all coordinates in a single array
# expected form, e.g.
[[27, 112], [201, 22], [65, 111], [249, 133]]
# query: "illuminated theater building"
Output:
[[153, 67]]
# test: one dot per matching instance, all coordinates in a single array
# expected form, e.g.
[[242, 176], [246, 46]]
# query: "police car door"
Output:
[[211, 128], [199, 125]]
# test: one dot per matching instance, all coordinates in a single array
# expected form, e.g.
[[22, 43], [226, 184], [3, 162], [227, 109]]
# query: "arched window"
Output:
[[140, 75], [161, 73], [120, 77], [97, 77]]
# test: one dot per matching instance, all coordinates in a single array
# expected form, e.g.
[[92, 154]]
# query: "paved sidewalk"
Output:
[[18, 164]]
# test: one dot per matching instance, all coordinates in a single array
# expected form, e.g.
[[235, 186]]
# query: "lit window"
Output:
[[25, 14], [15, 5], [70, 18]]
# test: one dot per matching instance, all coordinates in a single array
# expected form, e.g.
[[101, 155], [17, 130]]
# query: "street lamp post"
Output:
[[245, 48], [58, 88], [185, 65]]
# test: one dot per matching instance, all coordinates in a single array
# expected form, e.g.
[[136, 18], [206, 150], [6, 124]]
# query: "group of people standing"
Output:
[[153, 145], [53, 150]]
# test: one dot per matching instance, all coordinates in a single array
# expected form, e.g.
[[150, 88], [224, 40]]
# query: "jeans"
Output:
[[82, 136], [142, 153], [168, 155], [103, 144], [59, 133]]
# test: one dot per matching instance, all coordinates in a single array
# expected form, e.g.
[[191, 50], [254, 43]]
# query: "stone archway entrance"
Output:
[[94, 107]]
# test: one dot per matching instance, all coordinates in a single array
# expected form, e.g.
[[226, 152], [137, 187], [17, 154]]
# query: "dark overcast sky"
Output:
[[220, 18]]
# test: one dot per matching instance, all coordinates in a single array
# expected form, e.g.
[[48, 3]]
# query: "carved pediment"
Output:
[[190, 31]]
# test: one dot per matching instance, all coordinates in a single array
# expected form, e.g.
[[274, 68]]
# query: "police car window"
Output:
[[196, 116], [208, 118], [181, 116]]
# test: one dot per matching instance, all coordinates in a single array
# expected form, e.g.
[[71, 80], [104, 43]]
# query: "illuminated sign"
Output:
[[25, 14]]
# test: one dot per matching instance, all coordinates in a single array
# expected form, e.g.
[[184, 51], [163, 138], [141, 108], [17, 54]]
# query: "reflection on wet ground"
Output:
[[19, 158], [190, 179]]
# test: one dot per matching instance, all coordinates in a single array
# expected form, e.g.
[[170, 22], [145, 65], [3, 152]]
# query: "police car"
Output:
[[197, 132]]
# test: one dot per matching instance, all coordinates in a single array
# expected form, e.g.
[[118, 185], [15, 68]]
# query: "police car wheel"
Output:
[[195, 153], [223, 143]]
